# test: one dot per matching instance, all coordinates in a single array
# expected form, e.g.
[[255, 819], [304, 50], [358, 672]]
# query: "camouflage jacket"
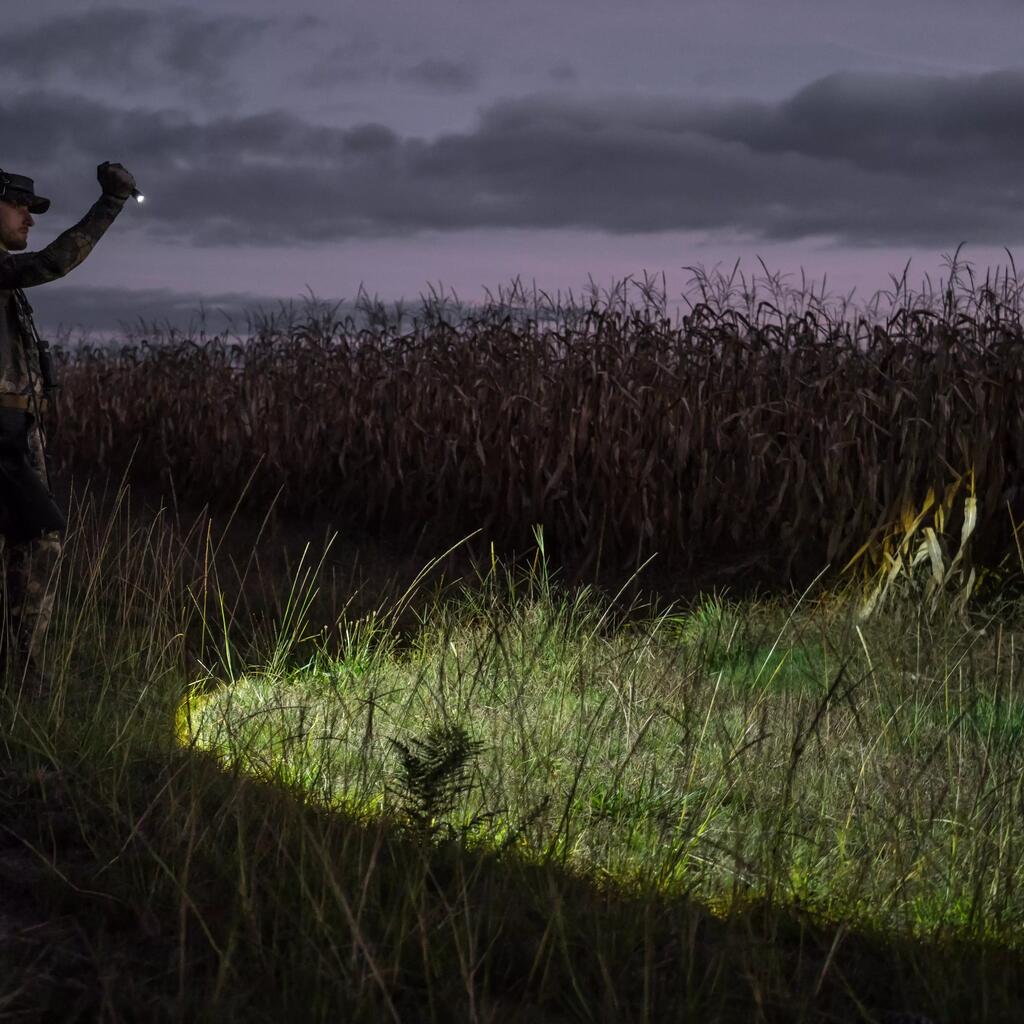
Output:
[[25, 270]]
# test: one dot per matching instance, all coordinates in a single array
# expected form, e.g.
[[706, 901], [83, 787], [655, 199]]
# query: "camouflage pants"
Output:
[[29, 567], [29, 571]]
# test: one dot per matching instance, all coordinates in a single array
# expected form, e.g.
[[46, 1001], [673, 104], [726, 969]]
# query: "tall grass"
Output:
[[870, 771], [729, 812], [511, 797], [768, 438]]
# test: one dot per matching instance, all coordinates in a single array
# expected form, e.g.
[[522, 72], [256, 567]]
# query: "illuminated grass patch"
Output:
[[869, 772]]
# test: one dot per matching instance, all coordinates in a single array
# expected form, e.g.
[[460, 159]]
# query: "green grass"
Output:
[[693, 753], [527, 807]]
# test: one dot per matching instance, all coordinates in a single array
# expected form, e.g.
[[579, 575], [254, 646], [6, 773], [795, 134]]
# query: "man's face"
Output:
[[15, 220]]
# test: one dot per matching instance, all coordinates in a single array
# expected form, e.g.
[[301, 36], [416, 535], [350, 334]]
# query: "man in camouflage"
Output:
[[31, 524]]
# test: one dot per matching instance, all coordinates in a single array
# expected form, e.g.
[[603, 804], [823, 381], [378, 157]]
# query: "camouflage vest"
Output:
[[19, 357]]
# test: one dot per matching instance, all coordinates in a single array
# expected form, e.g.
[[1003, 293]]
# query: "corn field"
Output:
[[789, 438]]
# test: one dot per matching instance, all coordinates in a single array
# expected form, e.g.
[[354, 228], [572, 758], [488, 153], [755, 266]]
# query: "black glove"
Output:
[[115, 180]]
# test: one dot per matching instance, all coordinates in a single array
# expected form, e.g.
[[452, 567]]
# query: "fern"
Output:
[[433, 777]]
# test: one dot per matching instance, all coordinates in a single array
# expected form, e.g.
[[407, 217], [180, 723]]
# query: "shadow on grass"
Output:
[[149, 885]]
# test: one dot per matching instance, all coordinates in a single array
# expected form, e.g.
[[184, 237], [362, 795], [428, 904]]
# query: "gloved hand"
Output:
[[115, 180]]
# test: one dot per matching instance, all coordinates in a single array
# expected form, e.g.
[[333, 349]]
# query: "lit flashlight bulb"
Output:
[[137, 195]]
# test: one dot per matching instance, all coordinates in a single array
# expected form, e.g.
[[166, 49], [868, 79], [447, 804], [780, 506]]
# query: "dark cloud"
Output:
[[872, 159], [370, 138], [563, 72], [444, 75], [359, 58], [130, 48], [907, 124]]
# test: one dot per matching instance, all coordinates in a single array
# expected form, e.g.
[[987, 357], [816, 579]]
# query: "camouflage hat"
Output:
[[16, 188]]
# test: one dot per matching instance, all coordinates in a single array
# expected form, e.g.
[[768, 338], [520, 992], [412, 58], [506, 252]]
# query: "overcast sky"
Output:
[[457, 144]]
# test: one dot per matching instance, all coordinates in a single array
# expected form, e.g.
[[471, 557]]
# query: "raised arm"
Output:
[[64, 253]]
